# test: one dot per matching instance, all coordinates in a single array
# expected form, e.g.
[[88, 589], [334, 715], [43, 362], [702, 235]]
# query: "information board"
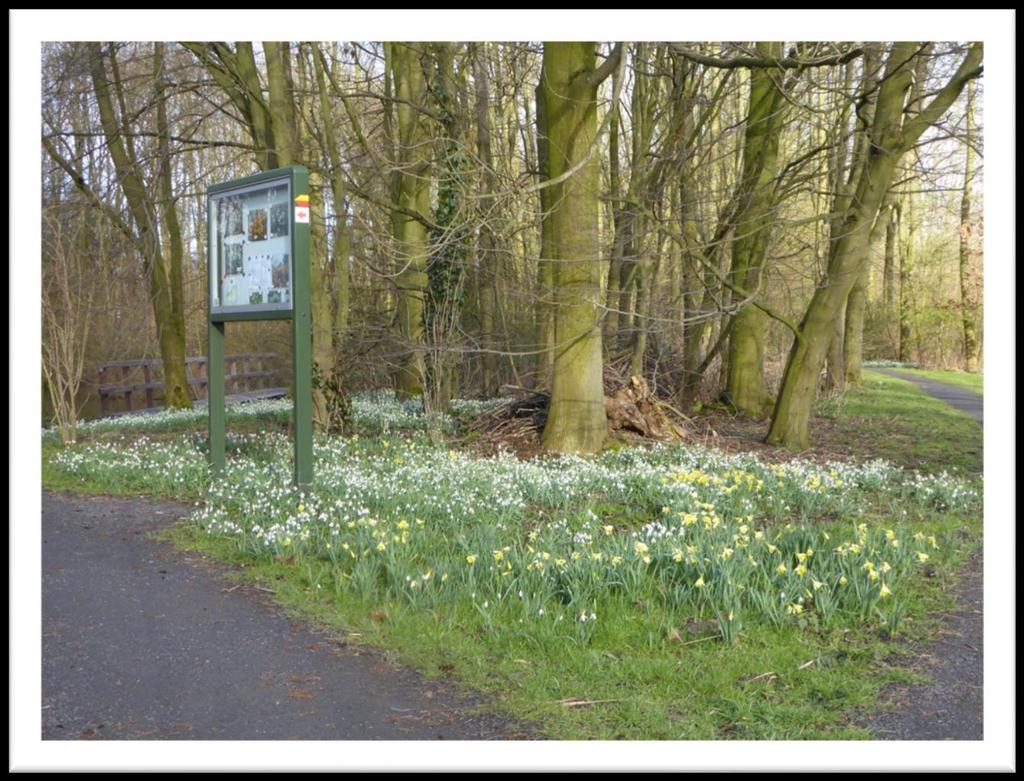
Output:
[[251, 248], [259, 230]]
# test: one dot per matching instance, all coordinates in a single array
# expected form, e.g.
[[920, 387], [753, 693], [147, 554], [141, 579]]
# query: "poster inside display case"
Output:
[[251, 249]]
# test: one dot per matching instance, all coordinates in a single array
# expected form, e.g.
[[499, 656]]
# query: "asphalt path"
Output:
[[951, 706], [142, 641], [963, 399]]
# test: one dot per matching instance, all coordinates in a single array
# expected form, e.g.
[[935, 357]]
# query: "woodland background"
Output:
[[700, 211]]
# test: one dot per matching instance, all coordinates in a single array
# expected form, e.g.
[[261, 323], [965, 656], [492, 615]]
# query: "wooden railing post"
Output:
[[147, 374], [125, 375], [204, 386], [104, 399]]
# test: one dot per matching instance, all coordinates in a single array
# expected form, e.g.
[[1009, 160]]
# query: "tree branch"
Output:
[[607, 67], [970, 68], [81, 184], [764, 62]]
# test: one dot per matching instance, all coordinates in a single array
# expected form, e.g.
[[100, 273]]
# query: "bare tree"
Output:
[[71, 291]]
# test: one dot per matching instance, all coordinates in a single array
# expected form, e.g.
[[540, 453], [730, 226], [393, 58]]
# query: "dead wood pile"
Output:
[[634, 413]]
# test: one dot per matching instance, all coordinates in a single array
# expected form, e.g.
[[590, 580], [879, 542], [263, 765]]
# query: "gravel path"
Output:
[[141, 641]]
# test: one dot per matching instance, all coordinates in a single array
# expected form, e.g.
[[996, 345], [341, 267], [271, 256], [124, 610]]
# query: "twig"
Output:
[[669, 407], [700, 640], [532, 391]]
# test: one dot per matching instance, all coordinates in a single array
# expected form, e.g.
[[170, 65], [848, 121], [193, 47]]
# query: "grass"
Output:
[[642, 680], [894, 419], [656, 658], [969, 380]]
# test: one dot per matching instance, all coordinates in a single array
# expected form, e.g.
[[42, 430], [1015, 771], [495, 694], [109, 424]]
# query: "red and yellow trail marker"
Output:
[[302, 208]]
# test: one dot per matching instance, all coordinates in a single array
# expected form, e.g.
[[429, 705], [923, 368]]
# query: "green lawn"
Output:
[[667, 593], [969, 380], [893, 419]]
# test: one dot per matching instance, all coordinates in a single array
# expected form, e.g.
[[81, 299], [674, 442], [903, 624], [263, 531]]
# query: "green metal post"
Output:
[[215, 396], [302, 331]]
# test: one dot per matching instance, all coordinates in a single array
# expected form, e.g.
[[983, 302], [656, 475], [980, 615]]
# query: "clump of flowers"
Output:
[[395, 517]]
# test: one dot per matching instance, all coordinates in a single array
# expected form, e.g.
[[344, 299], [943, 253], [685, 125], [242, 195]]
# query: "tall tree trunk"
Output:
[[856, 303], [611, 316], [176, 389], [450, 238], [891, 138], [745, 382], [889, 286], [907, 261], [546, 262], [648, 281], [411, 194], [170, 335], [835, 359], [294, 144], [487, 242], [695, 320], [850, 317], [853, 333], [576, 416], [968, 315], [339, 261], [282, 102]]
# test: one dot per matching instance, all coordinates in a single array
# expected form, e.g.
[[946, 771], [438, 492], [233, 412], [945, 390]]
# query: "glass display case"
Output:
[[251, 248]]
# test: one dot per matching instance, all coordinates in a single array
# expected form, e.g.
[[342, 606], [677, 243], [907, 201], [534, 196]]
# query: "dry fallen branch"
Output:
[[630, 405], [769, 677]]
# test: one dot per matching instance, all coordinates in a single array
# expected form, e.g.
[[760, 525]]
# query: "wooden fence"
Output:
[[137, 383]]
